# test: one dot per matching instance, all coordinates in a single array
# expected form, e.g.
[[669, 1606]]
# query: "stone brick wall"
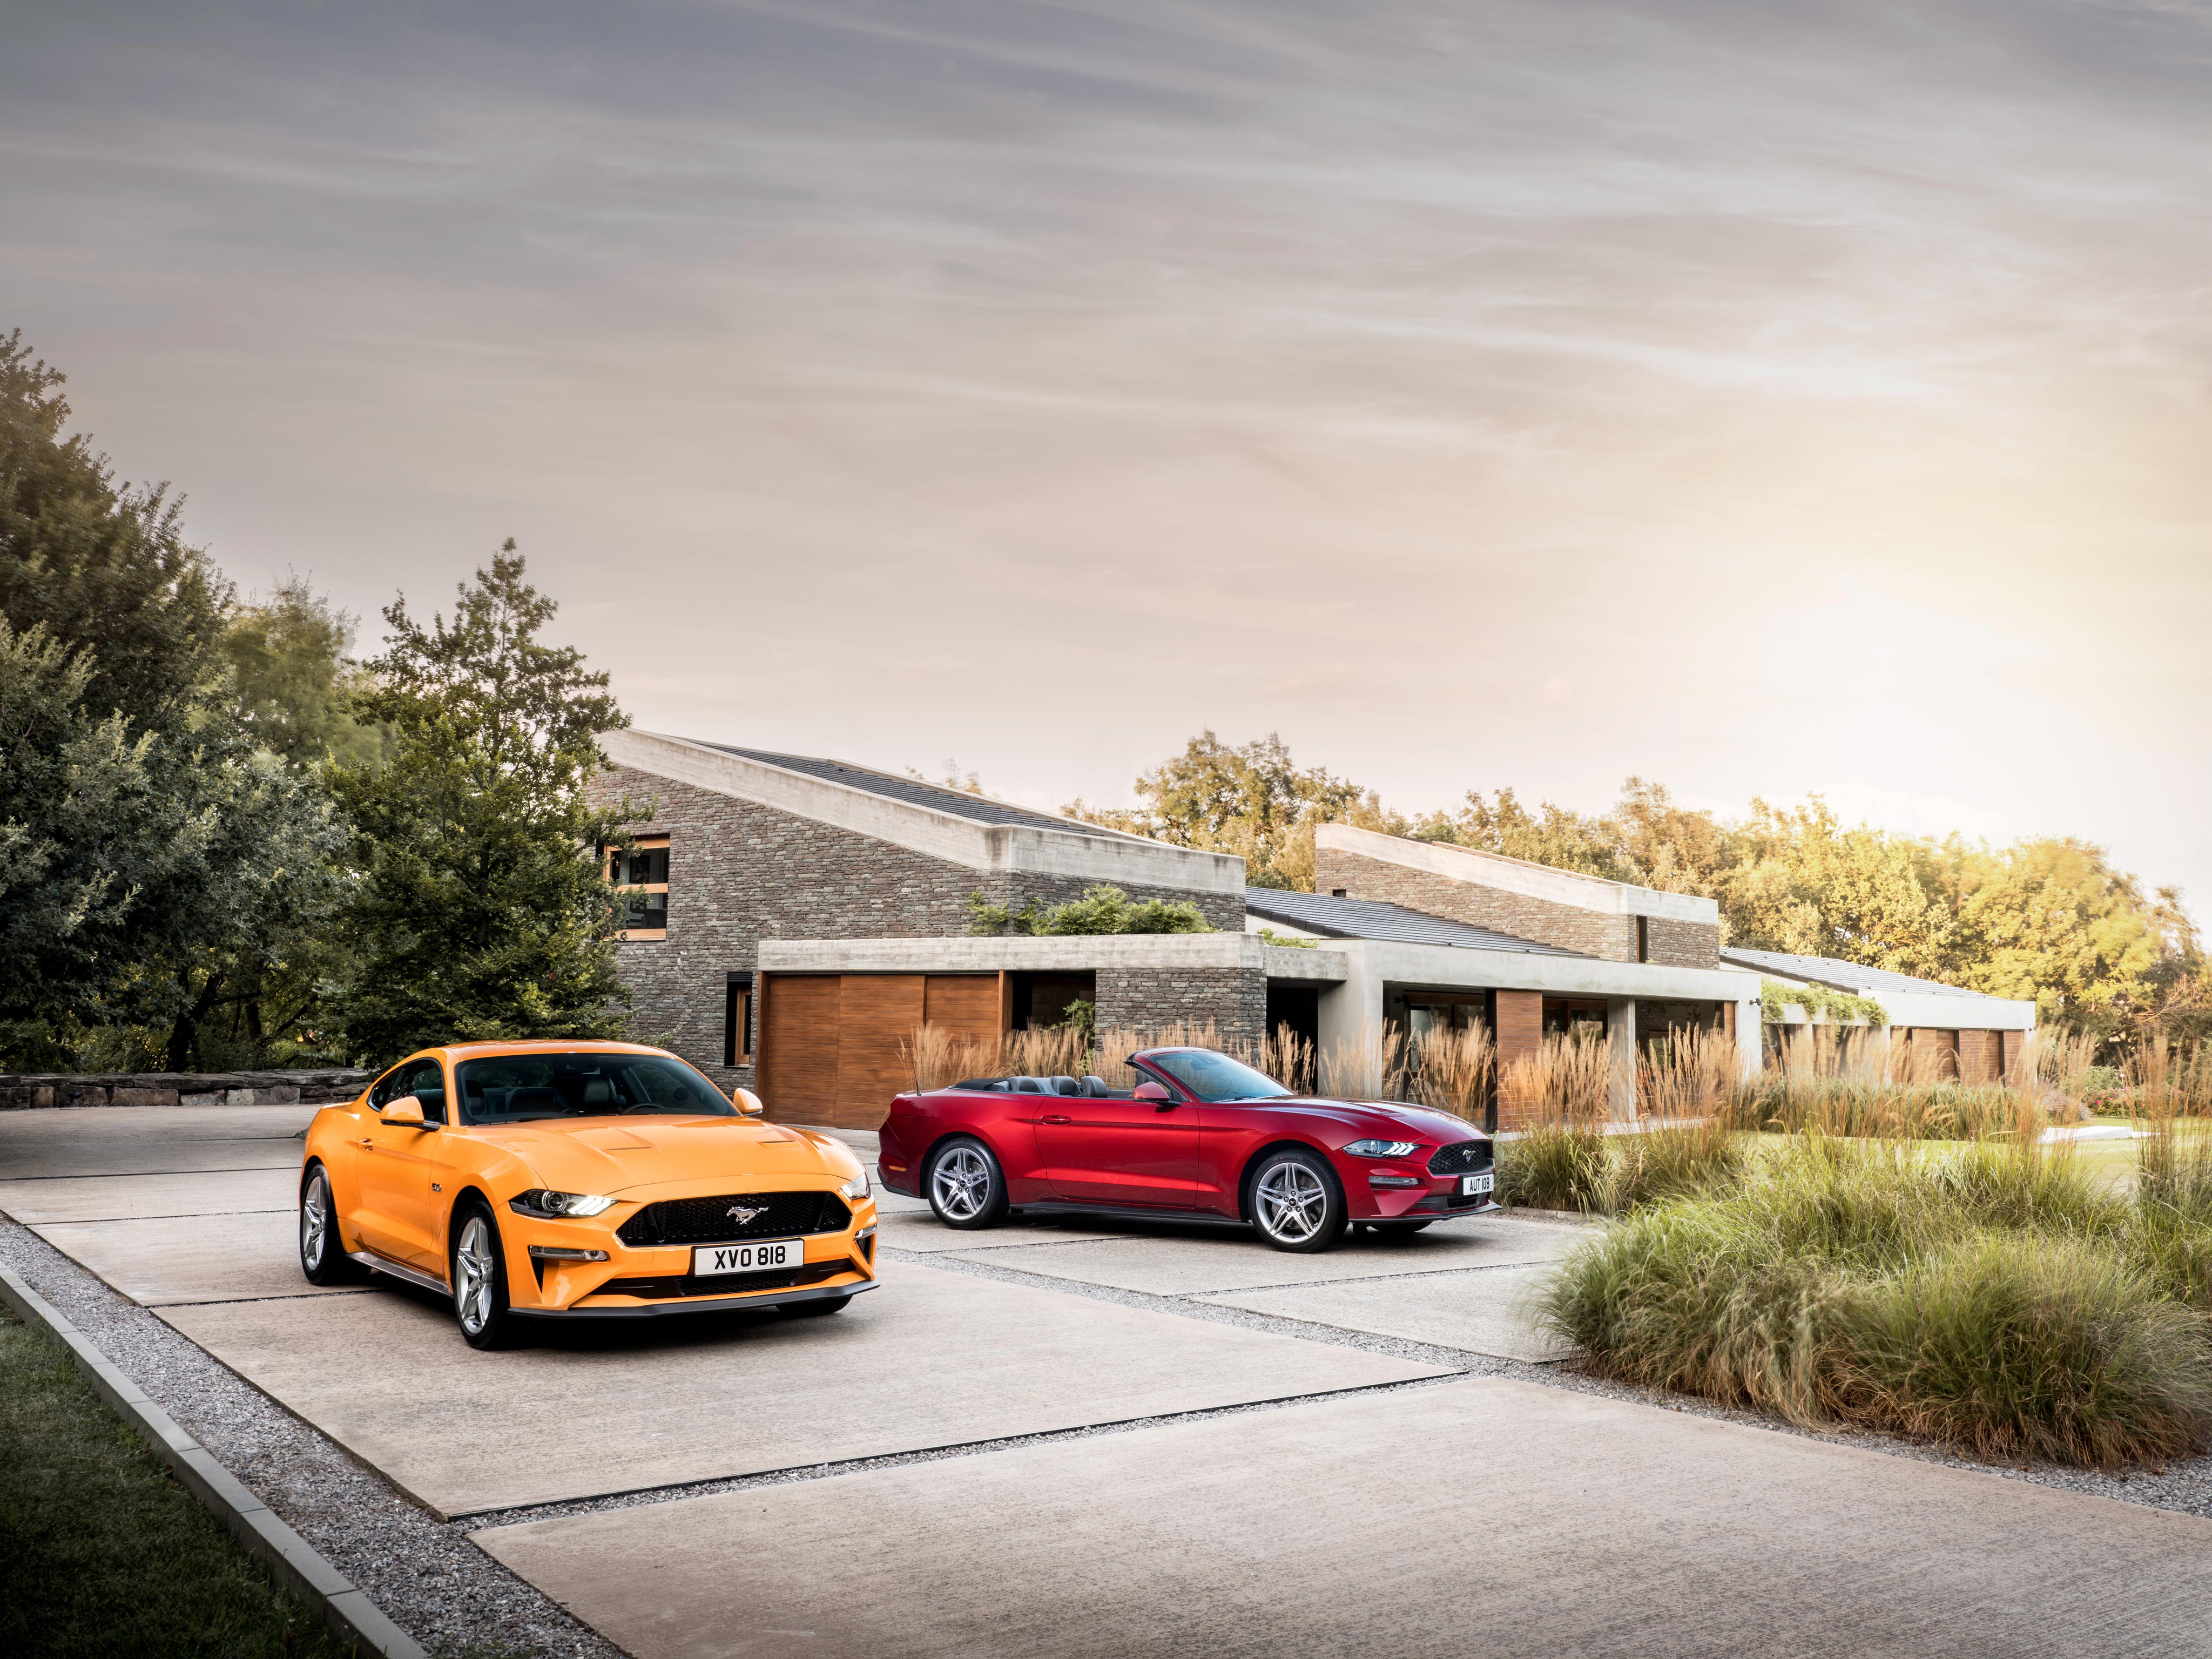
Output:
[[740, 871], [22, 1092], [1682, 944], [1593, 932], [1234, 999]]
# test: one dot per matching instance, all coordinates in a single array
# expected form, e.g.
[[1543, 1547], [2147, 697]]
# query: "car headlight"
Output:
[[857, 1186], [547, 1204], [1381, 1148]]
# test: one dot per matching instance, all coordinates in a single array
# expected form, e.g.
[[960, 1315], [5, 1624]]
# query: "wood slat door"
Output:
[[797, 1066], [965, 1006], [876, 1015]]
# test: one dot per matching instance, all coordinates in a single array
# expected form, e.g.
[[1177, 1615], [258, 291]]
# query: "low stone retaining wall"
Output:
[[22, 1092]]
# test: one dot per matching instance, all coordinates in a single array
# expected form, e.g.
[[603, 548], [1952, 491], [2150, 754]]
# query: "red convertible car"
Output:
[[1201, 1137]]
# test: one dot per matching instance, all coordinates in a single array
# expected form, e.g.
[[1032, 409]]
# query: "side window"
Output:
[[427, 1086], [390, 1085]]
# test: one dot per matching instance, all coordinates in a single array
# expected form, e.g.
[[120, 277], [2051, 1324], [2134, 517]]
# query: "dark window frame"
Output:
[[737, 1019]]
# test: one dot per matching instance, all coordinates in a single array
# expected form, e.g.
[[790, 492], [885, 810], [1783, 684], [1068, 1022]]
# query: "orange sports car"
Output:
[[580, 1181]]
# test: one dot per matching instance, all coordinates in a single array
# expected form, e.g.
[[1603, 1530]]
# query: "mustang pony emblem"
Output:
[[741, 1215]]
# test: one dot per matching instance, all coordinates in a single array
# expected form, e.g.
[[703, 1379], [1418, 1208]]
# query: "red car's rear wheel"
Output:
[[964, 1185]]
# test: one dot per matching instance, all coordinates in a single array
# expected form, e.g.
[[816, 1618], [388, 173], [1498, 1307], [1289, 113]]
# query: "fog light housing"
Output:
[[1395, 1181], [562, 1253]]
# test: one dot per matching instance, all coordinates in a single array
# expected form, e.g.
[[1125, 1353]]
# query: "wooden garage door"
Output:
[[965, 1005], [876, 1014], [799, 1046]]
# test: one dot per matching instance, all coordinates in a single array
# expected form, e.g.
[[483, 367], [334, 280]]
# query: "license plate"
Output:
[[709, 1259], [1470, 1185]]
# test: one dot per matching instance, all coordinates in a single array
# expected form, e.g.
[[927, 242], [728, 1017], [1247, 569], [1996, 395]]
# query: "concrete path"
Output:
[[1483, 1312], [170, 1260], [1481, 1517], [931, 1359], [116, 1198]]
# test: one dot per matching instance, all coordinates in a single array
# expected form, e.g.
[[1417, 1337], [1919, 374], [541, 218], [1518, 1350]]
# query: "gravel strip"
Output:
[[428, 1578]]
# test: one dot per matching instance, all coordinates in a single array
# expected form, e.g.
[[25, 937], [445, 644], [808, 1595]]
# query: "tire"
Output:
[[828, 1304], [1297, 1205], [964, 1185], [323, 1259], [477, 1269]]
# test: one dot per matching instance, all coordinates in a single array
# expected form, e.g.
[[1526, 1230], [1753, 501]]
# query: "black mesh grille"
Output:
[[1461, 1158], [776, 1279], [709, 1220]]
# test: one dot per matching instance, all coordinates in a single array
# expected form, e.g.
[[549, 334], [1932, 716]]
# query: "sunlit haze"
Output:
[[1763, 399]]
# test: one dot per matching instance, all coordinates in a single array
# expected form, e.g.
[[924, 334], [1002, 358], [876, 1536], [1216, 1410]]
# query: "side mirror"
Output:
[[747, 1102], [405, 1113], [1156, 1093]]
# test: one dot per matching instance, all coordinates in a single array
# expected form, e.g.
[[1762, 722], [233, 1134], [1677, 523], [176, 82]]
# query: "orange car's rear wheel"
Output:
[[479, 1276]]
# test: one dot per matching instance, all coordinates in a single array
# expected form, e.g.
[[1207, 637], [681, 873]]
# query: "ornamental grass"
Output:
[[1995, 1297]]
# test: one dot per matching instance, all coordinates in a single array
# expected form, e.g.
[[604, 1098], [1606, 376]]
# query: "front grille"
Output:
[[777, 1278], [709, 1220], [1461, 1158]]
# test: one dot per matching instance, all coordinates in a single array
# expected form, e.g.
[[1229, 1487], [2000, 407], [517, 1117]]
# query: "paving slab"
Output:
[[1484, 1312], [114, 1198], [1484, 1517], [905, 1230], [930, 1359], [94, 1140], [174, 1260], [1195, 1260]]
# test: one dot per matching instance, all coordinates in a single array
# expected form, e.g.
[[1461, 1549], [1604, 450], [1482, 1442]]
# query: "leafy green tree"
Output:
[[162, 854], [1251, 799], [479, 909], [297, 691]]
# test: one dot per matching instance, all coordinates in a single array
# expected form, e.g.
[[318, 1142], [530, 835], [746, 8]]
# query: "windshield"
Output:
[[517, 1088], [1213, 1078]]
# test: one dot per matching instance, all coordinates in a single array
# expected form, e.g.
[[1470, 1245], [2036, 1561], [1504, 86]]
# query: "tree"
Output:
[[153, 855], [296, 692], [1252, 800], [479, 909]]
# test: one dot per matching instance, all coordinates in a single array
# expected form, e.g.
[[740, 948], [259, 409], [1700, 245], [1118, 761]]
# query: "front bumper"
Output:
[[610, 1307]]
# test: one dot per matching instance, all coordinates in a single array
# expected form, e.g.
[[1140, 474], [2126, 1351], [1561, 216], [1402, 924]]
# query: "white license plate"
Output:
[[709, 1259], [1470, 1185]]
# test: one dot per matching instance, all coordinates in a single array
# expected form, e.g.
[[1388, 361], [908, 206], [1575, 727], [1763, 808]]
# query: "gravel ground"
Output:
[[451, 1597]]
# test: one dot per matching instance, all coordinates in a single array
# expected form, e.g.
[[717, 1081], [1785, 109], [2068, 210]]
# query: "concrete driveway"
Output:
[[1104, 1440]]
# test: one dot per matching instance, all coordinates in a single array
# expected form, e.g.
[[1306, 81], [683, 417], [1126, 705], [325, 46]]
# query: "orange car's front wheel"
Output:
[[479, 1276]]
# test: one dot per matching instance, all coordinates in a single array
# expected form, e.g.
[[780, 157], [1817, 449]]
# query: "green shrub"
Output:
[[1996, 1298], [1573, 1166], [1552, 1166]]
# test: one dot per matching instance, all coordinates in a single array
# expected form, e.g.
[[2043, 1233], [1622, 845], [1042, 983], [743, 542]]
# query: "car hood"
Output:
[[1380, 1119], [615, 1155]]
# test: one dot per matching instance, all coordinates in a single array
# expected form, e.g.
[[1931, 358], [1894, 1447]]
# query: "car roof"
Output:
[[539, 1046]]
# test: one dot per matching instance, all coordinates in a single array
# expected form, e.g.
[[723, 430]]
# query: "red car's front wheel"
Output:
[[1296, 1204]]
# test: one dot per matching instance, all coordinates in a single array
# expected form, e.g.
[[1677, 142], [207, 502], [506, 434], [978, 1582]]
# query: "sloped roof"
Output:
[[1845, 975], [1347, 918], [976, 809]]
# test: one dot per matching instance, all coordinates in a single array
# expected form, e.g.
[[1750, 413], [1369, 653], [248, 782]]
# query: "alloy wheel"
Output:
[[1292, 1202], [314, 1222], [962, 1183], [476, 1275]]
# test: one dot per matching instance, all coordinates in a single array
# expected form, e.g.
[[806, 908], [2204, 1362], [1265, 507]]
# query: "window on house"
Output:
[[1644, 938], [640, 873], [738, 1020]]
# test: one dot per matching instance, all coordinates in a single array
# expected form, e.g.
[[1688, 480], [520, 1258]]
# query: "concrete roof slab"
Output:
[[1476, 1312], [1197, 1260], [1490, 1515], [112, 1198], [931, 1359], [178, 1259]]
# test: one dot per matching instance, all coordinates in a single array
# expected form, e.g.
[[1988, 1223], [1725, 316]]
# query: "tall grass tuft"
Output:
[[1453, 1070], [1994, 1296]]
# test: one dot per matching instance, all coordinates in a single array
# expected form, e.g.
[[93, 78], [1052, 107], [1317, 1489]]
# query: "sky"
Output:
[[1763, 399]]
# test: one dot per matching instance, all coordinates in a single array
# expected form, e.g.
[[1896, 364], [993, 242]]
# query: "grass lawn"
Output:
[[101, 1552]]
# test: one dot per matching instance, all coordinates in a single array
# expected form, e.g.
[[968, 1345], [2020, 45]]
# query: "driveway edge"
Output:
[[297, 1568]]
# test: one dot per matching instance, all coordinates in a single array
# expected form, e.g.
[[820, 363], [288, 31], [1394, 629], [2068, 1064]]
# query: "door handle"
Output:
[[1054, 1117], [367, 1141]]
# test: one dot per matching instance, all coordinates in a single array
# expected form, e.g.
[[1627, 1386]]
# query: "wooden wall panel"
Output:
[[1934, 1054], [2015, 1047], [1980, 1056], [1519, 1036], [797, 1063], [967, 1006], [876, 1015]]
